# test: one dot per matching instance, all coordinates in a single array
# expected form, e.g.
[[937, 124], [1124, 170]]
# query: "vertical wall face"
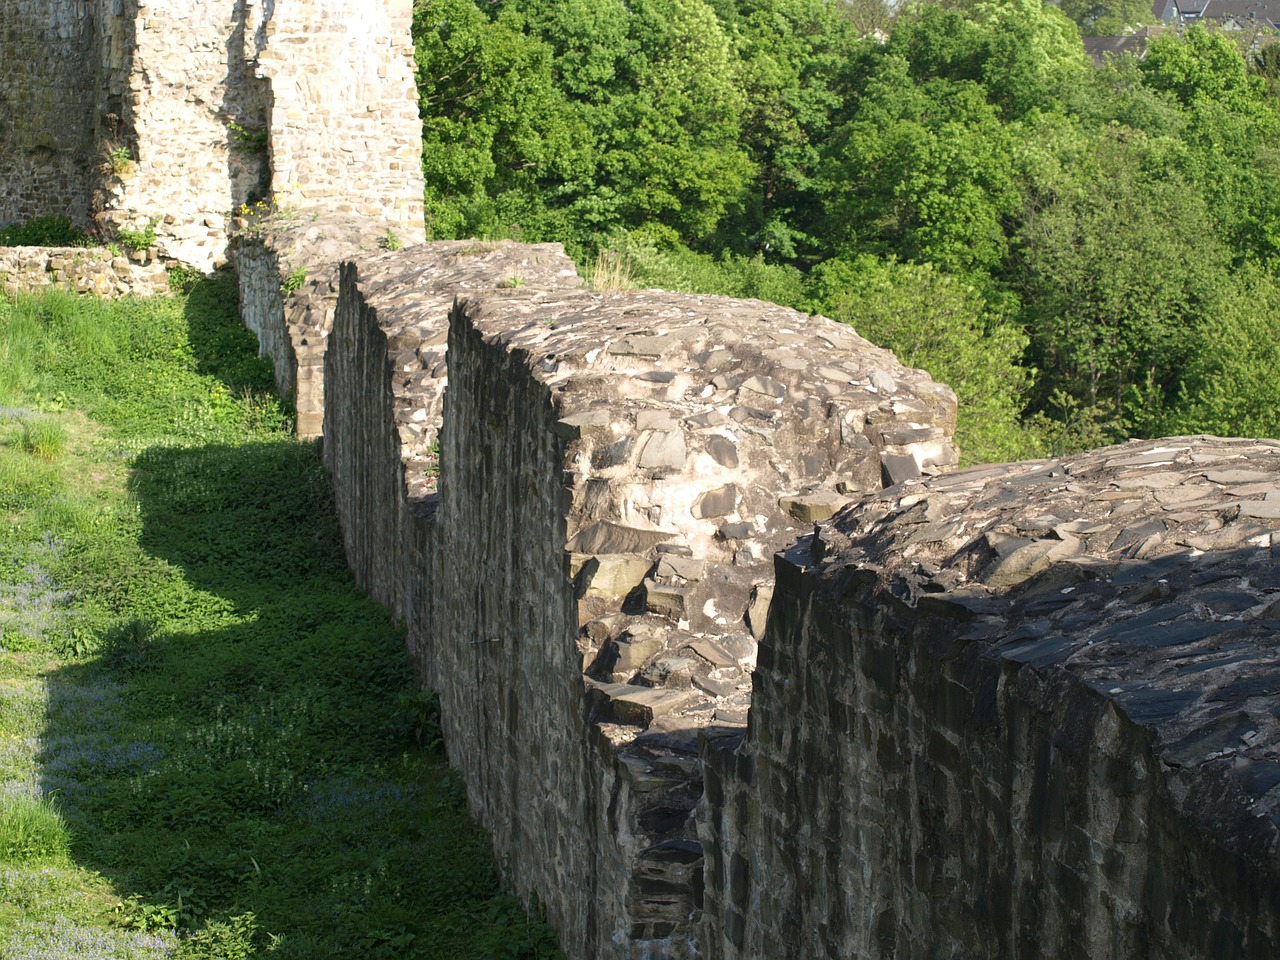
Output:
[[345, 133], [188, 81], [1023, 711], [48, 53], [502, 637]]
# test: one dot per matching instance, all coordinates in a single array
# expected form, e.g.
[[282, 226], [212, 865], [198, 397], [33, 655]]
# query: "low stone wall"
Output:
[[1019, 711], [94, 270], [585, 583]]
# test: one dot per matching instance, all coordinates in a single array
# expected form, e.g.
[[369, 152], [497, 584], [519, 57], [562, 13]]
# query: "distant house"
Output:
[[1099, 48], [1228, 14]]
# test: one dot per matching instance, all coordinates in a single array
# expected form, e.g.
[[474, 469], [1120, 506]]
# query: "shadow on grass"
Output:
[[248, 739], [223, 347]]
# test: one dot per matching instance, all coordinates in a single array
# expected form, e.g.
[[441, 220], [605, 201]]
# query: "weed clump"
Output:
[[44, 438], [32, 831]]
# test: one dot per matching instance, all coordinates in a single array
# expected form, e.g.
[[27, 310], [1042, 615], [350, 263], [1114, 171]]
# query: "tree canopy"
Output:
[[1076, 248]]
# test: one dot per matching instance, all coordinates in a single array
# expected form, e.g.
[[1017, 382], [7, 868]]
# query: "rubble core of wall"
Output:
[[586, 584], [1017, 711], [94, 270], [46, 108]]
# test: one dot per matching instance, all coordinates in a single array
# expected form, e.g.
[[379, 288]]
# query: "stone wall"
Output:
[[126, 114], [47, 101], [585, 567], [1019, 711], [187, 80], [93, 270], [345, 133], [287, 273]]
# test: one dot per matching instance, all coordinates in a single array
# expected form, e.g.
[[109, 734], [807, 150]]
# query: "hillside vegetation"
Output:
[[1084, 253]]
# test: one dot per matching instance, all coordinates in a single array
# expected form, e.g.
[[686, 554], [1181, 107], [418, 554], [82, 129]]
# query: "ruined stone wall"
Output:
[[287, 274], [1023, 711], [345, 133], [584, 581], [93, 270], [47, 101], [187, 81]]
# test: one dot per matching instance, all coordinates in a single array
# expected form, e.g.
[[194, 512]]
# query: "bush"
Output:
[[44, 232]]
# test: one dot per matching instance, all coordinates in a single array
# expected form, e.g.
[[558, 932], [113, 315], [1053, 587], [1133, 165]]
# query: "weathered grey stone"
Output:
[[613, 575], [812, 507], [666, 600], [630, 655], [664, 450], [716, 503], [899, 468], [642, 346], [606, 536], [686, 568], [904, 662], [583, 424], [713, 653], [723, 451], [758, 611]]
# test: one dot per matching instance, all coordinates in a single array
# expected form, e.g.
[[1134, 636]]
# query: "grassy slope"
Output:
[[210, 743]]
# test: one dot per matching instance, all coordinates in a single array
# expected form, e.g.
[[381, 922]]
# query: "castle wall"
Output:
[[1016, 712], [345, 133], [124, 114], [187, 82], [585, 567], [47, 102]]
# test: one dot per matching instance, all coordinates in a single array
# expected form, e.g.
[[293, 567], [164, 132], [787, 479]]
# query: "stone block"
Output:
[[612, 574]]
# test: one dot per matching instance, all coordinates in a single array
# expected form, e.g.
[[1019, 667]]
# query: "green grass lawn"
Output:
[[211, 745]]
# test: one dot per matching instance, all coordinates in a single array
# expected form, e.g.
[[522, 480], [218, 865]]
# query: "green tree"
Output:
[[1118, 269], [1198, 65], [1108, 18], [1231, 385], [795, 56], [940, 324], [924, 171], [676, 158], [493, 123]]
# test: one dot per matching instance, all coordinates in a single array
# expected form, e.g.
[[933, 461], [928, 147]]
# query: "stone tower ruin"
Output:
[[172, 115]]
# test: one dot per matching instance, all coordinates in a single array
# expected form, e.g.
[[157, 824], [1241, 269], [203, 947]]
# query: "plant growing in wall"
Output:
[[138, 240], [248, 139], [117, 159], [293, 282]]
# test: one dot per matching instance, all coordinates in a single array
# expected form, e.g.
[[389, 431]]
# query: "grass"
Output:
[[211, 745]]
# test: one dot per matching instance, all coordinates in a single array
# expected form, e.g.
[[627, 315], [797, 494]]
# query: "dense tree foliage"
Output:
[[1085, 253]]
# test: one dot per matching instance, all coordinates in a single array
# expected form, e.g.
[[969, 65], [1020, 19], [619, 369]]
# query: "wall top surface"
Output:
[[1146, 571]]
